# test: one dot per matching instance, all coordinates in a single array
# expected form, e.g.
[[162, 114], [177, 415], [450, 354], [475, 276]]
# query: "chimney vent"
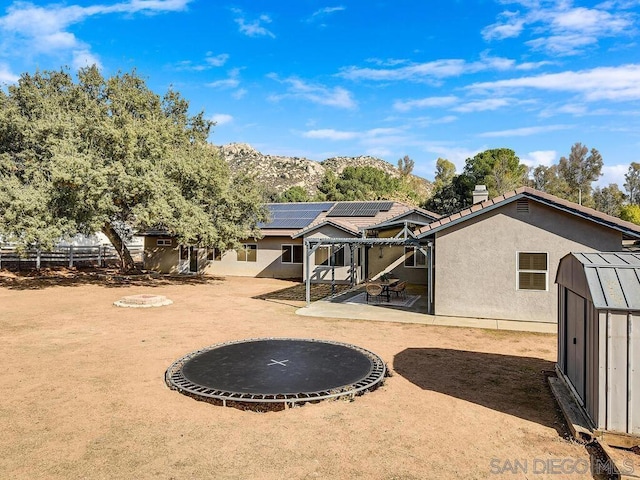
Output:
[[480, 194]]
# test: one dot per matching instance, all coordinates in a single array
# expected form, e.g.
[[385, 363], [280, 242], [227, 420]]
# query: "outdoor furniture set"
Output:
[[383, 288]]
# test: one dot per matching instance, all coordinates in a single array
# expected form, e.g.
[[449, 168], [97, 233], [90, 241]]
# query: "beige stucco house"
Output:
[[495, 260], [281, 252], [498, 259]]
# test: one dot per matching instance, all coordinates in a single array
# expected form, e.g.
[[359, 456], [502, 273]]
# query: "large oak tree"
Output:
[[108, 154]]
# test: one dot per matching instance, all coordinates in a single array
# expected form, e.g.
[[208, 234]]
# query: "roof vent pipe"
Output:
[[480, 194]]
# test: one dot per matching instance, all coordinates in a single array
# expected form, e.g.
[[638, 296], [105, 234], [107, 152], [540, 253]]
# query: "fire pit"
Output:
[[143, 300]]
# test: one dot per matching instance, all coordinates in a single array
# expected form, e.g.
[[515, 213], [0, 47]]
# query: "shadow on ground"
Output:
[[45, 278], [505, 383], [297, 293]]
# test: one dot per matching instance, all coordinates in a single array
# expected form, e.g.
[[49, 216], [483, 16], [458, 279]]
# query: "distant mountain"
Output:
[[278, 173]]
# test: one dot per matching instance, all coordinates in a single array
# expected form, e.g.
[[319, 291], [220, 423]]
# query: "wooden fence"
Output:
[[71, 256]]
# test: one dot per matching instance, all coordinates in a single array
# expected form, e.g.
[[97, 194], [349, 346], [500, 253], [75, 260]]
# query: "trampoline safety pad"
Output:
[[283, 371]]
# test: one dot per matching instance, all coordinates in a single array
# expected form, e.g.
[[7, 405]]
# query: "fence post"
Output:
[[70, 256], [99, 256], [38, 259]]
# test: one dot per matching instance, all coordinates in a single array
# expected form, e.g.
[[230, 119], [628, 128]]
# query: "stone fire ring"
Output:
[[144, 300]]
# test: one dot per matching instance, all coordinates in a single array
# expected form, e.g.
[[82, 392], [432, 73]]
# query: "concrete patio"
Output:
[[341, 307]]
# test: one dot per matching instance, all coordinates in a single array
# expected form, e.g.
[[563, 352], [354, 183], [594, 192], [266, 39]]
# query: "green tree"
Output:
[[546, 179], [579, 171], [452, 197], [104, 154], [445, 171], [359, 183], [293, 194], [608, 199], [405, 166], [630, 213], [632, 183], [499, 169]]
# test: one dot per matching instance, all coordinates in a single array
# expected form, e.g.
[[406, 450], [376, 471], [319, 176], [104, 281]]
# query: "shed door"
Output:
[[575, 338]]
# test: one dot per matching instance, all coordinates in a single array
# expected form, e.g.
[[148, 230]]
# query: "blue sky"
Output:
[[386, 78]]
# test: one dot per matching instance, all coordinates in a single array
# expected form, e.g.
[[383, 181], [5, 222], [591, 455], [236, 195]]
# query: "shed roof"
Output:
[[611, 280]]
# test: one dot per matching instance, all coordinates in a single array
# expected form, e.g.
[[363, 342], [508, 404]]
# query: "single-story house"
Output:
[[498, 258], [281, 251], [494, 260]]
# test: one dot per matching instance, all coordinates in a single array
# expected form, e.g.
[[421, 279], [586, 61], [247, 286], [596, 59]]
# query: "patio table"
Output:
[[385, 284]]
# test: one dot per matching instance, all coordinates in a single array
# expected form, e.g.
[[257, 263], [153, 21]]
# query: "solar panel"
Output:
[[359, 209], [294, 215]]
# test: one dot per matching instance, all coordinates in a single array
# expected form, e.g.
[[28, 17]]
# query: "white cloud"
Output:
[[533, 65], [322, 13], [315, 93], [372, 138], [221, 118], [6, 75], [561, 28], [603, 83], [330, 134], [327, 11], [613, 174], [388, 62], [84, 58], [240, 93], [484, 105], [232, 81], [539, 157], [216, 60], [510, 27], [210, 61], [428, 102], [524, 132], [454, 154], [428, 71], [254, 28], [28, 29], [224, 84]]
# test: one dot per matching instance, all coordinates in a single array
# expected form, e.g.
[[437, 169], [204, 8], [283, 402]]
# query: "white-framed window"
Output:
[[533, 271], [292, 254], [414, 258], [323, 257], [248, 253], [163, 242], [214, 254]]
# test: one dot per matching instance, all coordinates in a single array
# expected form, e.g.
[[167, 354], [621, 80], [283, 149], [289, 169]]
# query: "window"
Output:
[[292, 254], [214, 254], [323, 254], [248, 253], [533, 269], [414, 258], [163, 242]]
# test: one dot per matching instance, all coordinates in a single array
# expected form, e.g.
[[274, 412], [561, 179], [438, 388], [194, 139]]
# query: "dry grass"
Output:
[[83, 393]]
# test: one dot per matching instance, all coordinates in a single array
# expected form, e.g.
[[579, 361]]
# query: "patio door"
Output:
[[188, 262]]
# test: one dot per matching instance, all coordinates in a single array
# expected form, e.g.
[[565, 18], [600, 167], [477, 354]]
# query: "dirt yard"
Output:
[[83, 393]]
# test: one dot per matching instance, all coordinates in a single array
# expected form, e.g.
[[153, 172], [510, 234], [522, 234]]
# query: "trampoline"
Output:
[[276, 371]]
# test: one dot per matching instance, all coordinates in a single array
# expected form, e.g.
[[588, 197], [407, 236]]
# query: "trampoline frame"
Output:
[[175, 379]]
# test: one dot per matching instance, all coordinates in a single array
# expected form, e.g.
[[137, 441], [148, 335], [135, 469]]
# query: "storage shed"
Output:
[[599, 337]]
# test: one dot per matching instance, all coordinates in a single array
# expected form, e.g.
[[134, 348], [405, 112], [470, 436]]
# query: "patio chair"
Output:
[[399, 289], [374, 291]]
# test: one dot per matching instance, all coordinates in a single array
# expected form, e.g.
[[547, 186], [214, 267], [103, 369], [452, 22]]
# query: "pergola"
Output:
[[313, 243]]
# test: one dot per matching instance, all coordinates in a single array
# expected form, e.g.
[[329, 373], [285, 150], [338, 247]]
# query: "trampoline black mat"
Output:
[[276, 370]]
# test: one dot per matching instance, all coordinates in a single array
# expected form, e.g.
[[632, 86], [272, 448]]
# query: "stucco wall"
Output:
[[268, 261], [391, 259], [475, 261], [159, 258]]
